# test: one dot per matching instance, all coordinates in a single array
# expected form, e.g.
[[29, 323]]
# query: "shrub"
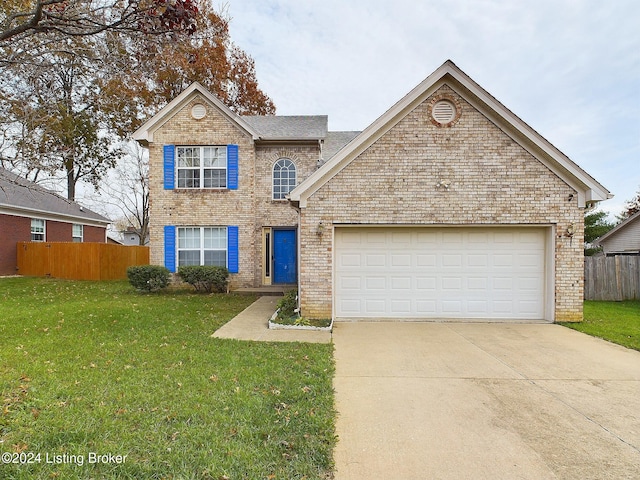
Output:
[[288, 305], [149, 278], [206, 278]]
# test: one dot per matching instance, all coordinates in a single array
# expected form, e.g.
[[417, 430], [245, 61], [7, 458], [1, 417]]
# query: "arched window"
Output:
[[284, 178]]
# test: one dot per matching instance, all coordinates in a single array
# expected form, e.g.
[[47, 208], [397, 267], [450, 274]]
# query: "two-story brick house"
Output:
[[447, 206]]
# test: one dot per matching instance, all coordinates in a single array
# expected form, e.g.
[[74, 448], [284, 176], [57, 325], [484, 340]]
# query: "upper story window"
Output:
[[37, 230], [284, 178], [77, 233], [202, 167]]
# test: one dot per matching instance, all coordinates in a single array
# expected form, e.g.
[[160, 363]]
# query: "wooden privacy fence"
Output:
[[79, 261], [612, 278]]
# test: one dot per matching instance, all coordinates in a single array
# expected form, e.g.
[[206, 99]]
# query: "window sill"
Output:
[[200, 190]]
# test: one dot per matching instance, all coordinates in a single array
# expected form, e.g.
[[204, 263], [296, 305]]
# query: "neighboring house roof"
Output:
[[624, 237], [21, 197], [589, 190], [297, 127]]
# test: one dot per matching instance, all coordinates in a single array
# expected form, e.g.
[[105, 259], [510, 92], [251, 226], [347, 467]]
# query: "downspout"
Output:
[[299, 243]]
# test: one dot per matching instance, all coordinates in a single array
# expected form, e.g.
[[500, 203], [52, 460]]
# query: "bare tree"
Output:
[[126, 192], [74, 18]]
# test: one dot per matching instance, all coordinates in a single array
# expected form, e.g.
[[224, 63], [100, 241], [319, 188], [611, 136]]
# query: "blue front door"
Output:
[[284, 256]]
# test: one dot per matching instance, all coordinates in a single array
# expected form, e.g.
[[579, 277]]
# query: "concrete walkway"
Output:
[[484, 401], [253, 324]]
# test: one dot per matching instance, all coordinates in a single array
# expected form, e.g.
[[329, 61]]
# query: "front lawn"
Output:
[[95, 368], [617, 322]]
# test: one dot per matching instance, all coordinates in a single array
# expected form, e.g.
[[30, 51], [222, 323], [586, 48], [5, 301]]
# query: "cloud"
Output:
[[571, 69]]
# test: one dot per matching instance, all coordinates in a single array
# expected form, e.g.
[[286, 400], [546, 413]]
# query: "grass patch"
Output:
[[98, 367], [617, 322]]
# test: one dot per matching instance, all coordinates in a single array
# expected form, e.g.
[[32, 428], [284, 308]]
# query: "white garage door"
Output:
[[440, 272]]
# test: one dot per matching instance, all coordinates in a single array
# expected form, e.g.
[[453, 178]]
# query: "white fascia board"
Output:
[[587, 187], [144, 134], [553, 158], [366, 138], [53, 216]]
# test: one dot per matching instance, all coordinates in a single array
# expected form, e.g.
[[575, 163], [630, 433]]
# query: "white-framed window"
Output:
[[37, 230], [202, 167], [77, 233], [284, 178], [202, 246]]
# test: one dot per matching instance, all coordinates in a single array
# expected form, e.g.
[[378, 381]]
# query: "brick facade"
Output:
[[492, 181], [18, 229], [250, 207], [484, 167], [14, 229]]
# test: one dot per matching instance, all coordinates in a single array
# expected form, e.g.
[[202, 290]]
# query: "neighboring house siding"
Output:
[[94, 234], [58, 231], [204, 207], [18, 229], [14, 229], [493, 180], [625, 240]]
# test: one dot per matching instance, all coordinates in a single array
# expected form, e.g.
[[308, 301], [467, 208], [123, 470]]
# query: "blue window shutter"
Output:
[[169, 166], [232, 249], [170, 247], [232, 167]]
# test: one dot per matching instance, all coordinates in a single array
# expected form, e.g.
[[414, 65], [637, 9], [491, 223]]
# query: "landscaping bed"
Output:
[[287, 316]]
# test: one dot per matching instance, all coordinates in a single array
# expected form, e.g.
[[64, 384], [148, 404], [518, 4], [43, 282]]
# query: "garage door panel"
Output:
[[426, 283], [451, 260], [349, 260], [376, 283], [451, 284], [440, 272], [478, 306], [477, 283], [477, 260], [371, 260], [401, 283], [350, 283], [426, 308], [400, 260], [375, 307], [426, 260]]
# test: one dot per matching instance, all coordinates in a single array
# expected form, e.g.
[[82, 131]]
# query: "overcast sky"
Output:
[[570, 69]]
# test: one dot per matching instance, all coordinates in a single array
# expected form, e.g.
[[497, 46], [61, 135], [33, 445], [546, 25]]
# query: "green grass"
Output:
[[97, 367], [617, 322]]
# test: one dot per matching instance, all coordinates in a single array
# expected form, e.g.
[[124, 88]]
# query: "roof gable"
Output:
[[21, 197], [589, 190], [144, 134], [297, 127], [632, 222]]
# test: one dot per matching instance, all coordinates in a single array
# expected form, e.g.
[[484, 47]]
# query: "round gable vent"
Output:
[[198, 111], [443, 111]]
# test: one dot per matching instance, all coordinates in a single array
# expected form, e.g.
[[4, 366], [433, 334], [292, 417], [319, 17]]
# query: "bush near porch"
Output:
[[98, 367]]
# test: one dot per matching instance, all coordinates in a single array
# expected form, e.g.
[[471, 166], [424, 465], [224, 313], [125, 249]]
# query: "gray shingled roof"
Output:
[[21, 195], [296, 127], [334, 142]]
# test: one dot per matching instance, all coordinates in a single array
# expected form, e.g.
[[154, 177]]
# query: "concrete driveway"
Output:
[[484, 401]]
